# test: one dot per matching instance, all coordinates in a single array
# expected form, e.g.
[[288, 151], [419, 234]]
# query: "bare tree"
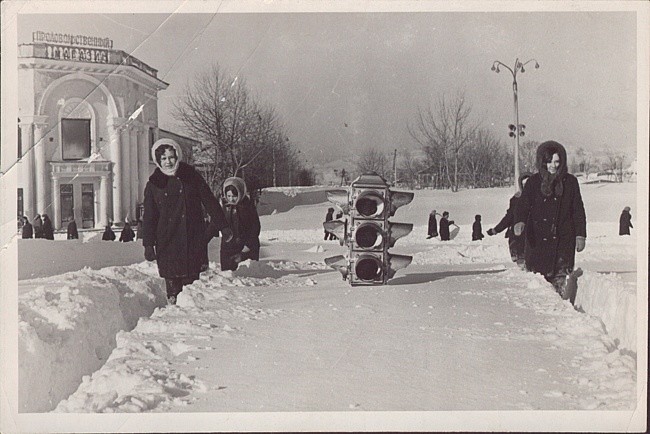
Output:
[[482, 158], [236, 131], [409, 168], [372, 160], [444, 132], [614, 163], [528, 156]]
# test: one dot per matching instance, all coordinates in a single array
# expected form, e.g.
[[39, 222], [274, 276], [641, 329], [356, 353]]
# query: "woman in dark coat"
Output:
[[243, 221], [173, 228], [477, 229], [432, 229], [38, 226], [48, 229], [515, 244], [552, 212], [127, 233], [73, 233], [27, 230], [108, 234], [444, 226], [625, 222]]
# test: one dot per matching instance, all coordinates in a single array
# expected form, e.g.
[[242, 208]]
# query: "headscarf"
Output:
[[551, 183], [239, 185], [179, 155]]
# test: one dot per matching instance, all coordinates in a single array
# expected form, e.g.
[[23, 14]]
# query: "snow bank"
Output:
[[72, 320]]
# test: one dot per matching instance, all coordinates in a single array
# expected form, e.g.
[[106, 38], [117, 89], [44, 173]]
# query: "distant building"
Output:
[[88, 116]]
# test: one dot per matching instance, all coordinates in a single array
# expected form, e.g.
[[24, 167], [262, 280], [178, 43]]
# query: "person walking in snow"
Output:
[[432, 229], [27, 230], [516, 245], [127, 234], [173, 229], [625, 222], [108, 234], [244, 222], [73, 233], [328, 218], [444, 226], [48, 229], [552, 212], [477, 230], [38, 226]]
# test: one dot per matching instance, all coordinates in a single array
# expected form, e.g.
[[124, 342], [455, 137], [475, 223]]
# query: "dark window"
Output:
[[75, 135], [21, 207], [20, 142], [87, 206], [67, 204]]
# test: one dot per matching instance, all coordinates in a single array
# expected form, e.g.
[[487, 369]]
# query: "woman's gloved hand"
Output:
[[580, 243], [227, 234], [150, 253], [491, 232]]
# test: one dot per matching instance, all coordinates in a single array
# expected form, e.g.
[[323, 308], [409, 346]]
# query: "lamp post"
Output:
[[517, 129]]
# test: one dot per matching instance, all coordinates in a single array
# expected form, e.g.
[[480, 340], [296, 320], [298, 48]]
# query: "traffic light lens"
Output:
[[370, 205], [368, 269], [368, 236]]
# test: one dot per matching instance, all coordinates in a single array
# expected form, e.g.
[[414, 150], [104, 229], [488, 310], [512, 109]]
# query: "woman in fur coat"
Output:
[[174, 231], [553, 215]]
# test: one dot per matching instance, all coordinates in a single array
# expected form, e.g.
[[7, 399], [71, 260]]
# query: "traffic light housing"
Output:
[[367, 232]]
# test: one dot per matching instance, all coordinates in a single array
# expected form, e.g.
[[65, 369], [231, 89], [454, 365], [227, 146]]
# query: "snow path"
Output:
[[458, 339]]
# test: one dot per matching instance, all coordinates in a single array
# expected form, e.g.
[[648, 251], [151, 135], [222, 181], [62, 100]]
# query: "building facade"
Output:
[[88, 116]]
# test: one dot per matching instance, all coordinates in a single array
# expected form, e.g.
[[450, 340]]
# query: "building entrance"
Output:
[[67, 204], [87, 206]]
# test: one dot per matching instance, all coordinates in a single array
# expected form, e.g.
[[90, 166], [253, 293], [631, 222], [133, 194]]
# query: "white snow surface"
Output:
[[461, 328]]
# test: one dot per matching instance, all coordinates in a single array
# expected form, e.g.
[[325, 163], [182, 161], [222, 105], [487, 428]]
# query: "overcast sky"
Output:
[[371, 71]]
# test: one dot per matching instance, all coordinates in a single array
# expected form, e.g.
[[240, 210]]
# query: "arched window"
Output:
[[77, 129]]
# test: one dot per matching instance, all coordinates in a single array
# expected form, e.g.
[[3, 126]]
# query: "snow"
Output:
[[462, 328]]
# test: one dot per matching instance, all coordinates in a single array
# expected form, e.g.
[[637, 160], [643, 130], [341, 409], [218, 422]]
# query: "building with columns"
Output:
[[88, 116]]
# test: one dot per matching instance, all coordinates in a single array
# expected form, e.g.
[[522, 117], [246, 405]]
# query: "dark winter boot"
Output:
[[174, 287], [572, 285]]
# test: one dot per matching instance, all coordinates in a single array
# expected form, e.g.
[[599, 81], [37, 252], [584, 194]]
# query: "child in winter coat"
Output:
[[477, 230], [625, 222], [444, 226], [243, 220], [432, 230]]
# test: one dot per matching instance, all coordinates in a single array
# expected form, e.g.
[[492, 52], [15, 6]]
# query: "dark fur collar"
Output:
[[184, 173]]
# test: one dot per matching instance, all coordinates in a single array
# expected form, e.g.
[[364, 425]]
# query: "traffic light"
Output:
[[367, 232], [512, 129]]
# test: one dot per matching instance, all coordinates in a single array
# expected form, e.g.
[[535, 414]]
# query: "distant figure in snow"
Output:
[[108, 234], [38, 226], [625, 222], [328, 218], [244, 222], [444, 226], [432, 230], [73, 234], [174, 232], [48, 229], [552, 212], [127, 233], [27, 230], [515, 244], [477, 230]]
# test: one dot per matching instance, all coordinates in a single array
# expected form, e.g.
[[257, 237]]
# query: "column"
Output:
[[135, 175], [143, 161], [27, 170], [115, 142], [39, 164], [126, 173], [56, 195], [103, 201]]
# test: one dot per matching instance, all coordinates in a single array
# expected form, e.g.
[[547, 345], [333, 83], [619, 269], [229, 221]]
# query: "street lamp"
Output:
[[517, 129]]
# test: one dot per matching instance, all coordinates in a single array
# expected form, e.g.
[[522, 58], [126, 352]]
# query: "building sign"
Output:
[[62, 52], [68, 39]]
